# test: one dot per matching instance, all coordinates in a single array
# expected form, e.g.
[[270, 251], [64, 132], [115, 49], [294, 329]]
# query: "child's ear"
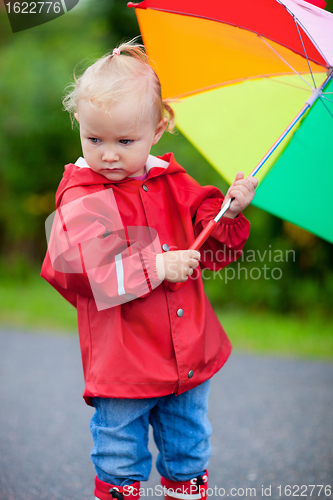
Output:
[[76, 116], [160, 128]]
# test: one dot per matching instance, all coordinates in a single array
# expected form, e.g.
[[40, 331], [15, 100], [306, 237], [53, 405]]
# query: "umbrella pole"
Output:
[[211, 225], [280, 139], [204, 235], [312, 99]]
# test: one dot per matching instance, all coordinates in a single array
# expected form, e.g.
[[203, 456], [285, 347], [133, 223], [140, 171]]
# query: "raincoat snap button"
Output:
[[190, 374], [165, 247], [180, 313], [144, 187]]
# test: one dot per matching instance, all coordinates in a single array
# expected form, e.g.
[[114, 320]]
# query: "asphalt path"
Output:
[[272, 425]]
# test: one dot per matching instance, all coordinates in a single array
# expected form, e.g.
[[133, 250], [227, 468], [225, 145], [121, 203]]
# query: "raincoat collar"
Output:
[[80, 174]]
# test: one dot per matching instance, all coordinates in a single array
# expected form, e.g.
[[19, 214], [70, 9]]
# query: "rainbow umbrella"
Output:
[[251, 85]]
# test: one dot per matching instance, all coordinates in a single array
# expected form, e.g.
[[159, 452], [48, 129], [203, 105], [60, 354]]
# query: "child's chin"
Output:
[[114, 175]]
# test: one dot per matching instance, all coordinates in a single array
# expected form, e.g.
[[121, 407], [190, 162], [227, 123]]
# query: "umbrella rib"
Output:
[[291, 85], [293, 69], [307, 59], [235, 82], [324, 96], [321, 100], [327, 99]]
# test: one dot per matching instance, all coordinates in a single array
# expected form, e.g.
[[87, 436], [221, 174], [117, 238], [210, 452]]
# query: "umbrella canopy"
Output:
[[239, 73]]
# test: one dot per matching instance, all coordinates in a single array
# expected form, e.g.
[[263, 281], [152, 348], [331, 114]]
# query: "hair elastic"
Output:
[[116, 52]]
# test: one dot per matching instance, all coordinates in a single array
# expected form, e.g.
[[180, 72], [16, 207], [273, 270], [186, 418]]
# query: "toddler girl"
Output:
[[123, 221]]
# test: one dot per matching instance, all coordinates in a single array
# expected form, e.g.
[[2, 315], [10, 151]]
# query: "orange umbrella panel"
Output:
[[205, 54]]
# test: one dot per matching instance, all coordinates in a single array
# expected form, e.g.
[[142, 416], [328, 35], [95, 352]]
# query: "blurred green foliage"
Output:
[[36, 140]]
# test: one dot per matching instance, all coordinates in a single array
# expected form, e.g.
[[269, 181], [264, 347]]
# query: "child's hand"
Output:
[[176, 266], [243, 192]]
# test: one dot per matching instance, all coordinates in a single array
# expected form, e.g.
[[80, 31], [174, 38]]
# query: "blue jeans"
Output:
[[119, 429]]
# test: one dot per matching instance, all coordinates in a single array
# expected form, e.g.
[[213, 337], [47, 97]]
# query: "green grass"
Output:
[[33, 304], [308, 336]]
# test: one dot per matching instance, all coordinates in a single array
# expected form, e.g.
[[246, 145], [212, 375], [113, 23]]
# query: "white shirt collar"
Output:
[[81, 162], [151, 162]]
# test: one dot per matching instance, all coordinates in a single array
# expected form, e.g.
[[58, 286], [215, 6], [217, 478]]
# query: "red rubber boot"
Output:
[[107, 491], [194, 489]]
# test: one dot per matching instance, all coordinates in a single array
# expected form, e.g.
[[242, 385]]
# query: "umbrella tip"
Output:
[[136, 5]]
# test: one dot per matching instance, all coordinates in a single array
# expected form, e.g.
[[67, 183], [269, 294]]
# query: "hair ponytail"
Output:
[[170, 114], [132, 49]]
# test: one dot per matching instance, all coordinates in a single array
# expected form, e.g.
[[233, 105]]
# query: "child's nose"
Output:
[[110, 155]]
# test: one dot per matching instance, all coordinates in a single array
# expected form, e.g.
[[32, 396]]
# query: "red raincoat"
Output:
[[162, 342]]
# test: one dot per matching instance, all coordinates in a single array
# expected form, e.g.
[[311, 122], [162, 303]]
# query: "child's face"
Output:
[[116, 144]]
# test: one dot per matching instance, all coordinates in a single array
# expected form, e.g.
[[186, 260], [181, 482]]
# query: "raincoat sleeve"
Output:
[[91, 253], [228, 238]]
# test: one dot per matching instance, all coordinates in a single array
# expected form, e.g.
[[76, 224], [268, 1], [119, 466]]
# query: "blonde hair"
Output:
[[123, 74]]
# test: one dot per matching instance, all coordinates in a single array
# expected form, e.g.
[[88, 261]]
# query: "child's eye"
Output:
[[94, 140], [126, 141]]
